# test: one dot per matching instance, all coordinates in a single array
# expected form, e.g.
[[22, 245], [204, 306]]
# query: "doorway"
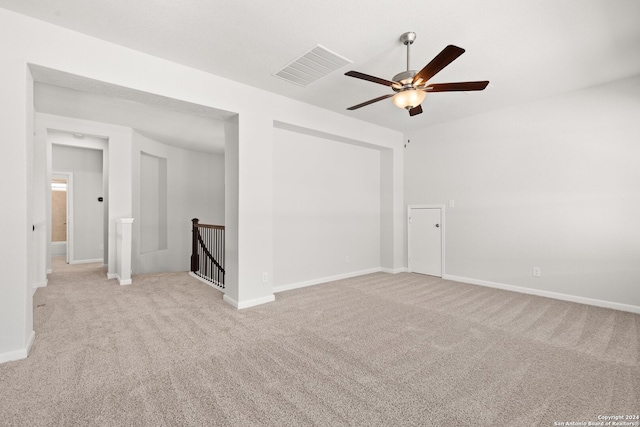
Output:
[[61, 214], [81, 162], [426, 239]]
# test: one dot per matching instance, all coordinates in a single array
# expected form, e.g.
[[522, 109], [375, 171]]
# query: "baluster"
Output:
[[222, 255], [208, 261], [208, 252], [217, 257]]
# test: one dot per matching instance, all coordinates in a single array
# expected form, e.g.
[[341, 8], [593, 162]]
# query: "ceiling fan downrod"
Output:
[[407, 39], [406, 77]]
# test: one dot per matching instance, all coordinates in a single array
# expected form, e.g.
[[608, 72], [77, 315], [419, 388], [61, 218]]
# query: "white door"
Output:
[[425, 241]]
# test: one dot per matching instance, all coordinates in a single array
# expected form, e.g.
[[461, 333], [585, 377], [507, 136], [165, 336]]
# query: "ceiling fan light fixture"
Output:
[[411, 86], [409, 98]]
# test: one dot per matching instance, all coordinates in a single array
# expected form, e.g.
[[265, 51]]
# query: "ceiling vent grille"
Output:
[[312, 66]]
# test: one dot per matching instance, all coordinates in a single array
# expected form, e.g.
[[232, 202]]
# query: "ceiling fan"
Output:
[[411, 86]]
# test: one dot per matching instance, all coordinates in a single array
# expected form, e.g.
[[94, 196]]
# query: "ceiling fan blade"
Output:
[[369, 78], [454, 87], [444, 58], [415, 110], [371, 101]]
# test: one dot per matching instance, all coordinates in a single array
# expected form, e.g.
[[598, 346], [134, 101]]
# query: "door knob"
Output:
[[437, 225]]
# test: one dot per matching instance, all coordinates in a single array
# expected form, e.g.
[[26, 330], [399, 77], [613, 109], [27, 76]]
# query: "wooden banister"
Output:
[[207, 252]]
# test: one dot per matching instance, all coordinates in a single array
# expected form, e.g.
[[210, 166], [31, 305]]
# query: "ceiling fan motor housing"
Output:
[[406, 78]]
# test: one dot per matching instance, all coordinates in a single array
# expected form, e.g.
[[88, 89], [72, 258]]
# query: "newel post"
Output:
[[123, 250], [194, 246]]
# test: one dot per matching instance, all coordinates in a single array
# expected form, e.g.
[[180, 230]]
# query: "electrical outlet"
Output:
[[265, 277], [346, 259], [536, 272], [452, 203]]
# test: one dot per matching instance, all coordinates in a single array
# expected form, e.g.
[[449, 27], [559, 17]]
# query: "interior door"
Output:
[[425, 241]]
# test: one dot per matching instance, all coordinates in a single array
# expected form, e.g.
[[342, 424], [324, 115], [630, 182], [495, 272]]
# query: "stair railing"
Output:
[[207, 252]]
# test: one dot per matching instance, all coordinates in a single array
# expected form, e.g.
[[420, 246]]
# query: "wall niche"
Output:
[[153, 203]]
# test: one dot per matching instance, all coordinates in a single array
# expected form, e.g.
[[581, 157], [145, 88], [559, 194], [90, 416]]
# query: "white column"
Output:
[[123, 250], [248, 210], [16, 302], [392, 217]]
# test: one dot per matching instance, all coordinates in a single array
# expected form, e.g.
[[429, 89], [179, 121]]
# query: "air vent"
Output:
[[312, 66]]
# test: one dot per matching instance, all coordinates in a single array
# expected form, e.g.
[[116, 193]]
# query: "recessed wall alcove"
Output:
[[153, 203]]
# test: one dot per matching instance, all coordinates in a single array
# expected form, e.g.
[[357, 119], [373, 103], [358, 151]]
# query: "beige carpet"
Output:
[[374, 350]]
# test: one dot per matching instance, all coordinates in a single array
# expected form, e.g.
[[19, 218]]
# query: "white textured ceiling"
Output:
[[528, 49]]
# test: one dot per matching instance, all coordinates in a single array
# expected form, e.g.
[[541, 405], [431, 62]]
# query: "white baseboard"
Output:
[[393, 270], [250, 303], [122, 281], [30, 341], [13, 355], [298, 285], [548, 294], [117, 277], [18, 354], [40, 285], [86, 261], [49, 271], [192, 274]]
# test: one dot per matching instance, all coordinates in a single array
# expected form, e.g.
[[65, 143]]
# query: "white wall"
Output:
[[49, 46], [88, 212], [553, 183], [326, 207], [117, 185], [194, 187], [16, 258]]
